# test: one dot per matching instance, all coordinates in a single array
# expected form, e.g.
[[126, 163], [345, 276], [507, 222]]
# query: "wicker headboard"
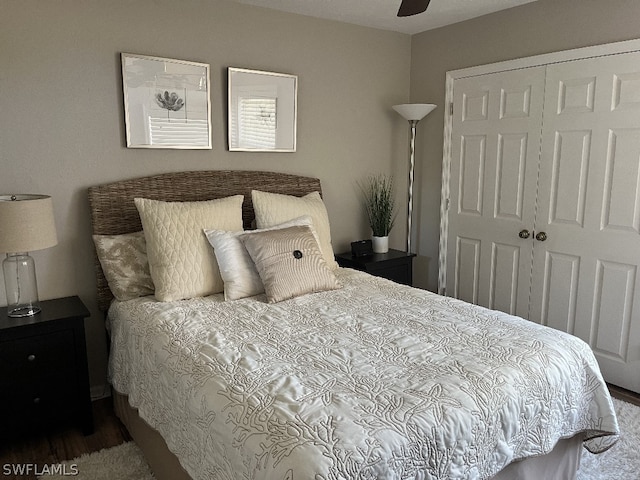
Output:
[[113, 211]]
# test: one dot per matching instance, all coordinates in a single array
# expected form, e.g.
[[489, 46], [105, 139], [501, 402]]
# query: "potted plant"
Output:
[[379, 204]]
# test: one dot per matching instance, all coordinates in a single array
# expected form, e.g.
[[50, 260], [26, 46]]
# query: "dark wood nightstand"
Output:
[[394, 265], [44, 378]]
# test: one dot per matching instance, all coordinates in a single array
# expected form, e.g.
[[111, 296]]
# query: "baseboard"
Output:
[[100, 391]]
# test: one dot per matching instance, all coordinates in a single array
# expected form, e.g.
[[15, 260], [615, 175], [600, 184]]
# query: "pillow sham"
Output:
[[124, 263], [238, 272], [181, 262], [274, 208], [289, 262]]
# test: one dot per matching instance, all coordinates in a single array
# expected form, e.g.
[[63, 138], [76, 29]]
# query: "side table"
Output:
[[394, 265], [44, 377]]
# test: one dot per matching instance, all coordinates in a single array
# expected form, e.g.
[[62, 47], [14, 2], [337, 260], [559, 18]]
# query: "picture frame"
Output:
[[166, 102], [262, 111]]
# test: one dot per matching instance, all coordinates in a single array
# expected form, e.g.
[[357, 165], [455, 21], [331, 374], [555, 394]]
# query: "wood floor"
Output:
[[66, 443], [57, 446]]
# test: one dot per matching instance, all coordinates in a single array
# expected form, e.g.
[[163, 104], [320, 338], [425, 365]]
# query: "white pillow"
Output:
[[181, 261], [274, 208], [239, 274]]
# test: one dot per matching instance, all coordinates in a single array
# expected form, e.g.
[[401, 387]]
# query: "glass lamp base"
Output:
[[20, 284], [23, 311]]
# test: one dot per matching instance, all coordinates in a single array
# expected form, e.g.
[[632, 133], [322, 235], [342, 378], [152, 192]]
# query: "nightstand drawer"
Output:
[[48, 392], [27, 358], [397, 273], [39, 403]]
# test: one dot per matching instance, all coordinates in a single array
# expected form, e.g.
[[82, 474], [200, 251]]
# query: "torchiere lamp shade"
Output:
[[414, 111]]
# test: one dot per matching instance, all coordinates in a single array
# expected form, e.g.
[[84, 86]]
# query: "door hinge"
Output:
[[451, 108]]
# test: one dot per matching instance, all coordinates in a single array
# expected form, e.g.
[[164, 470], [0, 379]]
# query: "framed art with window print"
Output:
[[166, 102], [262, 111]]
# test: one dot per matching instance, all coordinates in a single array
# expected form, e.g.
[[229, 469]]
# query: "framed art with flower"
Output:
[[166, 102]]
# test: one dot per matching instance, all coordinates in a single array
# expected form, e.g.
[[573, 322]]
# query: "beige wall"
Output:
[[61, 114], [540, 27]]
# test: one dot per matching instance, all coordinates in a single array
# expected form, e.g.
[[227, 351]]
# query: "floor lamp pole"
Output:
[[412, 155]]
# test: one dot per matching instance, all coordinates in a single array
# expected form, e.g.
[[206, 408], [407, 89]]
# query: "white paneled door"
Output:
[[585, 275], [497, 122], [553, 152]]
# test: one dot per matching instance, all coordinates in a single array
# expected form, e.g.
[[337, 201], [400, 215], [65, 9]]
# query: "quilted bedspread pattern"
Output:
[[372, 381]]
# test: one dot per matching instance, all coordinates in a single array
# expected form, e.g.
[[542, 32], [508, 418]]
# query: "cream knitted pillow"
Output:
[[181, 261]]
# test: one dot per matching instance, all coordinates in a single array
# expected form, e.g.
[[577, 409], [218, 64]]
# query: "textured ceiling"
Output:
[[382, 13]]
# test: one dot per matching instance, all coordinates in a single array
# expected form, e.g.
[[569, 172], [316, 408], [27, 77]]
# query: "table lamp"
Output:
[[26, 224]]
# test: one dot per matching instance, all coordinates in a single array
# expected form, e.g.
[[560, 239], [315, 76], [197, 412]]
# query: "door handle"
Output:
[[524, 233], [541, 236]]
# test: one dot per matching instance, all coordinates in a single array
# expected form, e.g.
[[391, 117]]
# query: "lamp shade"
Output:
[[26, 223], [414, 111]]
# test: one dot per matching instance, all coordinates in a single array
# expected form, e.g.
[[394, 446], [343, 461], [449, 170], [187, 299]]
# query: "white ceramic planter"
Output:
[[380, 244]]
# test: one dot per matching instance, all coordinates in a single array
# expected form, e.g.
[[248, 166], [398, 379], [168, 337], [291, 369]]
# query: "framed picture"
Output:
[[166, 102], [262, 111]]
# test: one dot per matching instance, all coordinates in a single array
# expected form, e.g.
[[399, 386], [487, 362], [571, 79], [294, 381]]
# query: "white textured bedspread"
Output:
[[372, 381]]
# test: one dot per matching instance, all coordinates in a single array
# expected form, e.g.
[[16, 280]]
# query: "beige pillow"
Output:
[[238, 272], [289, 262], [124, 262], [274, 208], [181, 261]]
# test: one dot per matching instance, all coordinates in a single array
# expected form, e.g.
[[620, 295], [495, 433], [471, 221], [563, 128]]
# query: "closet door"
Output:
[[585, 274], [494, 168]]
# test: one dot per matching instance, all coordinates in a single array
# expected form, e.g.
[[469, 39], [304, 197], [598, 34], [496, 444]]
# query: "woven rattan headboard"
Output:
[[113, 211]]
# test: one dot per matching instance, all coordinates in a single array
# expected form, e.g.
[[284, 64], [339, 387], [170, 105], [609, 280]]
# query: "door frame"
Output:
[[627, 46]]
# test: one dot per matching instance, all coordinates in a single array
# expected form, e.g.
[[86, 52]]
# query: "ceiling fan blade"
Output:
[[412, 7]]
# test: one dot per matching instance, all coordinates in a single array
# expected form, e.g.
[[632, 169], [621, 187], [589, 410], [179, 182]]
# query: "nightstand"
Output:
[[394, 265], [44, 379]]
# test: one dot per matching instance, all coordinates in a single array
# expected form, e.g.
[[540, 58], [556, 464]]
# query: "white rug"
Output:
[[621, 462], [124, 462]]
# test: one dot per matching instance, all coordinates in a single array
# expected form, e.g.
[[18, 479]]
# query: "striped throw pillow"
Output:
[[289, 262]]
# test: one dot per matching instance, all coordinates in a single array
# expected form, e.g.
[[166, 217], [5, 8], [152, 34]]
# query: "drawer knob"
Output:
[[31, 358]]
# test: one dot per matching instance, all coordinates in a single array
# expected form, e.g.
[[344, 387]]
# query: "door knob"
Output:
[[524, 233], [541, 236]]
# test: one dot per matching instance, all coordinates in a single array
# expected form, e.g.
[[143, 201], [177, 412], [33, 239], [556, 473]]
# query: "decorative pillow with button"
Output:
[[274, 208], [239, 274], [289, 262]]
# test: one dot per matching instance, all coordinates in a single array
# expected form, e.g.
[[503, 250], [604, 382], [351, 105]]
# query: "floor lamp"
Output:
[[414, 112]]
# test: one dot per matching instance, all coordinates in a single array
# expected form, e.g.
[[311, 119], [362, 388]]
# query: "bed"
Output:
[[361, 378]]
